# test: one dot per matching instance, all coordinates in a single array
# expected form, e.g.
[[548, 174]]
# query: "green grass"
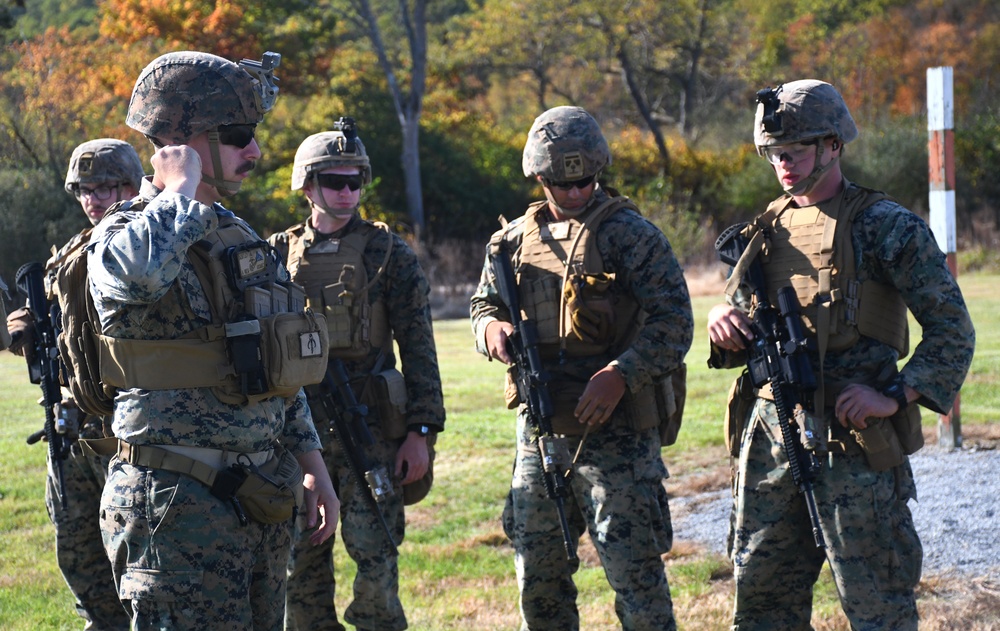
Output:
[[456, 565]]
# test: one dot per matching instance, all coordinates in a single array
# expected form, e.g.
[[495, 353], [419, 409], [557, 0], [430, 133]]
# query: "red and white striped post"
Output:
[[941, 153]]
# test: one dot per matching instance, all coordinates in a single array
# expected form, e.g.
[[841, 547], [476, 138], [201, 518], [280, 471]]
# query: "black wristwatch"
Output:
[[421, 430], [895, 390]]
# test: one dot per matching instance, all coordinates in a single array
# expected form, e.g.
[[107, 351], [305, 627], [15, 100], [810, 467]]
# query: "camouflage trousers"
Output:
[[182, 559], [311, 584], [617, 494], [79, 548], [871, 543]]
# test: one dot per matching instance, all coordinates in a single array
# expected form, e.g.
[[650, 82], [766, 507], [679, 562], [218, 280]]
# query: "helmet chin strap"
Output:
[[576, 211], [225, 187], [804, 186], [320, 202]]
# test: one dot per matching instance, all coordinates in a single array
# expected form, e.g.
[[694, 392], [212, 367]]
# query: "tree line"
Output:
[[444, 91]]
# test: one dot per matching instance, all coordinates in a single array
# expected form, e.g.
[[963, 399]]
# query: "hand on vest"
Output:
[[602, 394], [21, 327], [728, 327], [589, 306], [177, 169], [497, 333], [412, 459], [858, 402]]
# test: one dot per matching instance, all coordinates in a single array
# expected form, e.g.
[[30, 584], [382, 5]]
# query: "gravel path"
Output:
[[957, 513]]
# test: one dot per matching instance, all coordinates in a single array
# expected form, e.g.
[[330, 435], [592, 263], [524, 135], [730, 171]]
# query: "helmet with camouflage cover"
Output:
[[565, 144], [800, 111], [182, 94], [338, 148], [104, 160]]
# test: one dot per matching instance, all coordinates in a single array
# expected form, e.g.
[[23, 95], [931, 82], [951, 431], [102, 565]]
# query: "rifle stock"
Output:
[[335, 399], [43, 364], [777, 356], [532, 388]]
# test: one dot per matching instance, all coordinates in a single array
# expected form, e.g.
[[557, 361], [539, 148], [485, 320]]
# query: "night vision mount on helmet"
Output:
[[338, 148], [803, 111]]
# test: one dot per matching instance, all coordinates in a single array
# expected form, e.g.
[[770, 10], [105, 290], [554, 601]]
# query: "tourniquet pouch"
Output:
[[295, 351], [741, 400], [906, 422], [271, 493], [388, 394], [880, 444]]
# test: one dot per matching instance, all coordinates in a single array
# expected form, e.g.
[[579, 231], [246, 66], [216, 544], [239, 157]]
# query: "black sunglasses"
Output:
[[581, 183], [237, 135], [337, 181]]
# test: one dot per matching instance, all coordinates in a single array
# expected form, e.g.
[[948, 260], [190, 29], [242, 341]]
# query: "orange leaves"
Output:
[[216, 26]]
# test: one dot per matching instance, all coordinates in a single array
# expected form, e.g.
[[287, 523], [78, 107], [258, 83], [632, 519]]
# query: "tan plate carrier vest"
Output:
[[293, 341], [354, 325], [549, 253], [813, 252]]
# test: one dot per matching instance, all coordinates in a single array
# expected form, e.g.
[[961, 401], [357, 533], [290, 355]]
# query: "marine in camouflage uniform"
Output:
[[101, 172], [870, 540], [331, 167], [616, 486], [182, 557]]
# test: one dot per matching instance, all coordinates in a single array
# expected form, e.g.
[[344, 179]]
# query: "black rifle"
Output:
[[44, 365], [533, 390], [334, 399], [777, 356]]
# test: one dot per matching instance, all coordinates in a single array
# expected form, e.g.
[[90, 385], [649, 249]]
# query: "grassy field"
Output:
[[456, 566]]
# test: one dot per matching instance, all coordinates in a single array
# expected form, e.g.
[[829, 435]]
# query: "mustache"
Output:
[[246, 167]]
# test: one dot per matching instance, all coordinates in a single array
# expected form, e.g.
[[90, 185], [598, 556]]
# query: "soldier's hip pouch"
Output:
[[272, 492], [880, 444]]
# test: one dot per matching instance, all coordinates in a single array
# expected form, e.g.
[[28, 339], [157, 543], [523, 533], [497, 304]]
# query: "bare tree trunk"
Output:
[[408, 106], [628, 73], [687, 96]]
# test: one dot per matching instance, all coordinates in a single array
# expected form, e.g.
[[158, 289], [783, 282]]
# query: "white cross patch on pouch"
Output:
[[310, 344]]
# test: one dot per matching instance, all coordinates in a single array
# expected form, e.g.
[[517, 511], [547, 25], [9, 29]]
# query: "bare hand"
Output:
[[21, 327], [177, 169], [728, 327], [602, 394], [412, 459], [858, 402], [497, 333], [322, 503]]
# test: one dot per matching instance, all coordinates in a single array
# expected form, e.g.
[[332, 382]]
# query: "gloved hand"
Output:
[[589, 305], [21, 326]]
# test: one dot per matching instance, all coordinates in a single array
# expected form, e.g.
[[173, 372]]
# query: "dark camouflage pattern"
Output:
[[404, 289], [327, 150], [182, 94], [183, 560], [873, 547], [202, 570], [565, 144], [809, 109], [79, 547], [617, 490], [311, 583], [873, 550], [104, 160]]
